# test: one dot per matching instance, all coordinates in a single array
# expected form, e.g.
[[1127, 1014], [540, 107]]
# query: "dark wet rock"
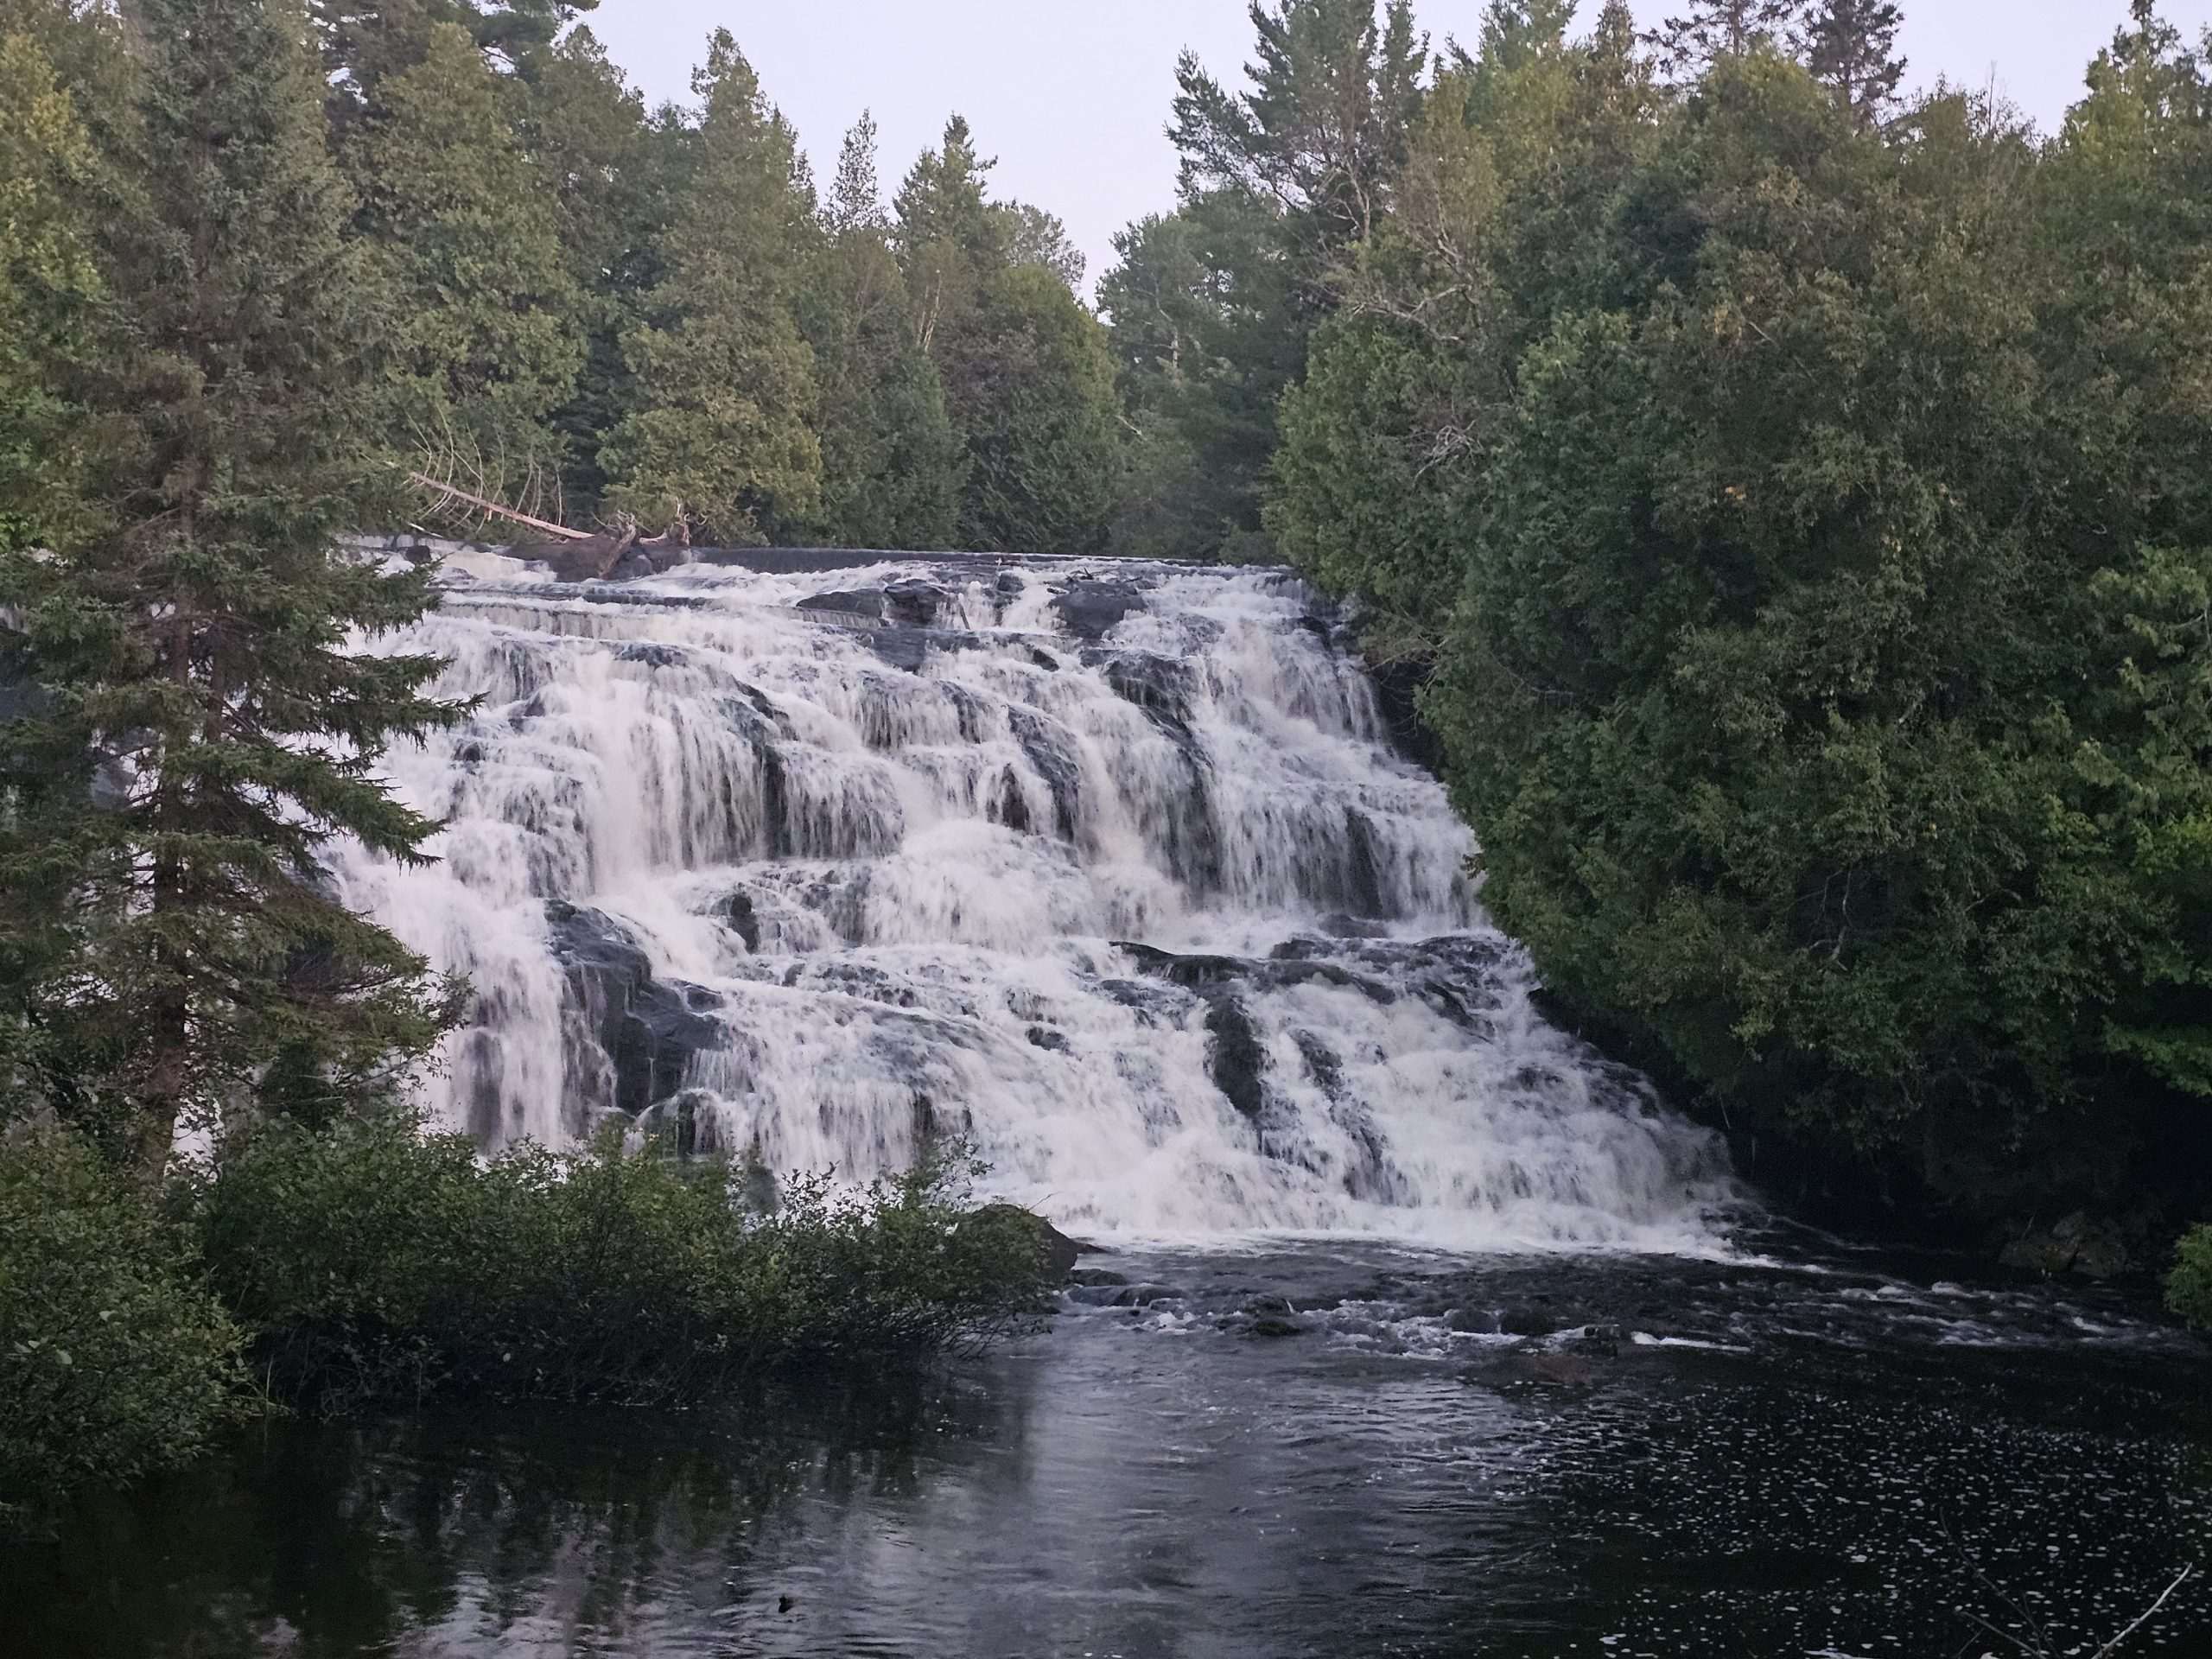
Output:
[[1364, 870], [1044, 659], [1593, 1341], [1322, 1062], [1526, 1322], [677, 1121], [1278, 1305], [1145, 1295], [1057, 1253], [1478, 1321], [744, 919], [1010, 806], [866, 603], [1097, 1277], [912, 603], [1235, 1058], [1050, 748], [1153, 1005], [1272, 1325], [649, 1029], [1554, 1370], [1208, 973], [1161, 686], [1090, 608], [2075, 1243], [1052, 1042]]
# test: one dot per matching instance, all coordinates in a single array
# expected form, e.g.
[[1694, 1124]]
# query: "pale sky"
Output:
[[1073, 95]]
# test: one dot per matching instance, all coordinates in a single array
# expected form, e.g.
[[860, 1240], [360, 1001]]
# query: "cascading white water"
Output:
[[1110, 869]]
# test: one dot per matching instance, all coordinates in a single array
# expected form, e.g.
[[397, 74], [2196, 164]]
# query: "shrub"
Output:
[[2189, 1286], [373, 1261], [115, 1360]]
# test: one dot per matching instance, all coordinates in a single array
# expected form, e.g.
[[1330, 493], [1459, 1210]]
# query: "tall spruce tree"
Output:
[[1279, 183], [49, 284], [614, 173], [1028, 382], [893, 467], [1712, 29], [487, 310], [720, 434], [197, 730], [1850, 45]]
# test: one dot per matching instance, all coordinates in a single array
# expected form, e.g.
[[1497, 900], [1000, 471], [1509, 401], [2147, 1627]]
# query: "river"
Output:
[[1845, 1455], [1416, 1325]]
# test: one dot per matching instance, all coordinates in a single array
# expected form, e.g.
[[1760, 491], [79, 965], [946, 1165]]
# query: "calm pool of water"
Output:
[[1812, 1454]]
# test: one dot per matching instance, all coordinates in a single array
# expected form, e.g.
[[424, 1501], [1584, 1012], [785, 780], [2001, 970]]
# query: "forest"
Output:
[[1784, 497]]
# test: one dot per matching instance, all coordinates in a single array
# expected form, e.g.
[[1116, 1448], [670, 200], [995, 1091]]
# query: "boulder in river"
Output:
[[1056, 1252]]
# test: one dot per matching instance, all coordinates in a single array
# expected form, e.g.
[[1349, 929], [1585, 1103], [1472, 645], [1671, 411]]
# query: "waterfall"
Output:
[[1110, 869]]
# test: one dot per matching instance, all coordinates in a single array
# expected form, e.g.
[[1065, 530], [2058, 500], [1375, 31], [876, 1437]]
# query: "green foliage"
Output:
[[52, 186], [720, 434], [484, 305], [115, 1360], [1029, 385], [1800, 520], [1850, 47], [1032, 387], [195, 727], [2188, 1286], [893, 466], [374, 1262]]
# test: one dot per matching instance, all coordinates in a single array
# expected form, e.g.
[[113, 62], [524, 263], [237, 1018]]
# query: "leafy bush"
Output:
[[115, 1360], [373, 1261], [2189, 1286]]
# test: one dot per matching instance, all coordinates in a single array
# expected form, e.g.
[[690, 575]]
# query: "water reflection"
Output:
[[1702, 1458]]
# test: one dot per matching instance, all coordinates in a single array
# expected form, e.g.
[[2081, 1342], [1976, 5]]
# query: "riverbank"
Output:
[[373, 1264]]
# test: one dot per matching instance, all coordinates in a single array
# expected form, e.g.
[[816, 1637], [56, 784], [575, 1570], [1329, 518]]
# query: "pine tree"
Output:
[[1512, 33], [1850, 45], [1619, 78], [891, 465], [48, 285], [487, 309], [198, 730], [855, 204], [721, 434], [1712, 29], [1322, 133], [614, 175]]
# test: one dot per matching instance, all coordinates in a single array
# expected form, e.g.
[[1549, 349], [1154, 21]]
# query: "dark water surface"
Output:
[[1696, 1458]]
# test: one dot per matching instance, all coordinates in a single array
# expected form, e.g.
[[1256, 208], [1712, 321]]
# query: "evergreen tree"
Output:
[[1027, 382], [199, 729], [1690, 45], [614, 175], [946, 234], [720, 433], [486, 306], [891, 465], [1512, 33], [1034, 237], [855, 204], [1850, 45], [1031, 385], [49, 284]]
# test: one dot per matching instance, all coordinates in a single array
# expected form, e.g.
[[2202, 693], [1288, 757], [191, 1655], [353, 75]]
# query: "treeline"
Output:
[[1794, 496], [584, 306]]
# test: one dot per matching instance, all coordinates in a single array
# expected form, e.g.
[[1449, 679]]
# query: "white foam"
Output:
[[937, 862]]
